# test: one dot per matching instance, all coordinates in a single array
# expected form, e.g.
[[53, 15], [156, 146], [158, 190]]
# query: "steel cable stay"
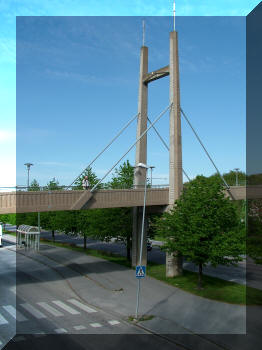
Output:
[[138, 139], [201, 143], [165, 144], [107, 146]]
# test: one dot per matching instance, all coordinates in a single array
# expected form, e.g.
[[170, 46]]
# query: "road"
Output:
[[234, 274], [7, 292], [88, 300]]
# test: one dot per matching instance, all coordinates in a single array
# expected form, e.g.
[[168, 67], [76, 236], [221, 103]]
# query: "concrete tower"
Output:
[[175, 147], [141, 157]]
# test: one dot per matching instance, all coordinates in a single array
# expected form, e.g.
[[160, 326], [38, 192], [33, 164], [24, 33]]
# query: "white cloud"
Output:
[[7, 48], [7, 136]]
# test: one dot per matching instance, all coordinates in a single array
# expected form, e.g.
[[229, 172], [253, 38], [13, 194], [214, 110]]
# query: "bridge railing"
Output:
[[75, 188]]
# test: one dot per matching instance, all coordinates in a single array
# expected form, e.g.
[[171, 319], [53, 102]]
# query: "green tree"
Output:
[[34, 186], [112, 222], [52, 185], [203, 226], [230, 177], [4, 219], [92, 179], [123, 177], [254, 230]]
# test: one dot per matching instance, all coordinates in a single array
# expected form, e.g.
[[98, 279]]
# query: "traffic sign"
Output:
[[140, 271]]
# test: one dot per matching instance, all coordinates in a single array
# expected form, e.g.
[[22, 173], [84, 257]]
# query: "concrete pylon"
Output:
[[174, 263], [175, 151], [141, 157]]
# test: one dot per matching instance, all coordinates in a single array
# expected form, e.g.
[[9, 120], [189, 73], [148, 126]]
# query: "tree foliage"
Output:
[[230, 177], [204, 226], [52, 185], [34, 186], [92, 179], [254, 230], [123, 176]]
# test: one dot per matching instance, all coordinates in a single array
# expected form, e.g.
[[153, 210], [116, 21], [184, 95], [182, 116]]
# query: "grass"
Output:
[[214, 288], [9, 232], [159, 238], [141, 318]]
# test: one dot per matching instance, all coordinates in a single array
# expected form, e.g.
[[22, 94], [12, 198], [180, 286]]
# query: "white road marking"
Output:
[[61, 331], [3, 320], [50, 309], [95, 325], [19, 338], [40, 334], [33, 311], [1, 342], [13, 290], [113, 322], [81, 306], [66, 307], [14, 313], [79, 328]]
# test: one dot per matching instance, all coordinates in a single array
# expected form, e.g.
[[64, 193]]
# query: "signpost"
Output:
[[1, 234], [140, 271]]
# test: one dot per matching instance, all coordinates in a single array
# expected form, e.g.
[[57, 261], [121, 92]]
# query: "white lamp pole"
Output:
[[28, 165], [236, 170], [141, 165]]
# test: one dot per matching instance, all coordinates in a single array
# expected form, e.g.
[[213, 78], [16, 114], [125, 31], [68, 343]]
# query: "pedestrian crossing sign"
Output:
[[140, 271]]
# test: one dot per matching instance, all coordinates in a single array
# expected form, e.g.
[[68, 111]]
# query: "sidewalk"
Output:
[[113, 287], [9, 238]]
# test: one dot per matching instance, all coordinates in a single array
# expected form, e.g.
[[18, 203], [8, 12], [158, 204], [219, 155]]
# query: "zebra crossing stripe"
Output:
[[60, 330], [79, 328], [14, 313], [33, 311], [13, 290], [81, 306], [3, 320], [66, 307], [95, 325], [0, 343], [113, 322], [50, 309]]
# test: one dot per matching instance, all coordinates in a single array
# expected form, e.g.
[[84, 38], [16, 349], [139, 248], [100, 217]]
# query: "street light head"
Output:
[[28, 164], [142, 165]]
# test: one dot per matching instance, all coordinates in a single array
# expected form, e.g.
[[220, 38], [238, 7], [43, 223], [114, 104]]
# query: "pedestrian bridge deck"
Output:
[[40, 201]]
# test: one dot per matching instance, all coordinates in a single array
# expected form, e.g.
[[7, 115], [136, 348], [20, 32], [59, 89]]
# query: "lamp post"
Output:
[[141, 165], [236, 170], [151, 168], [28, 165]]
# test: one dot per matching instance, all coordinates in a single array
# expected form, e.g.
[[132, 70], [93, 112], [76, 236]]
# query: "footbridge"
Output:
[[157, 199]]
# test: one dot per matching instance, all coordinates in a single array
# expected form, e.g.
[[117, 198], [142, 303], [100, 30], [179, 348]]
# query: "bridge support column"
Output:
[[174, 265], [141, 157]]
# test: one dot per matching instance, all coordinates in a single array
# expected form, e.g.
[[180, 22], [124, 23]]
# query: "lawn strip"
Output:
[[214, 288]]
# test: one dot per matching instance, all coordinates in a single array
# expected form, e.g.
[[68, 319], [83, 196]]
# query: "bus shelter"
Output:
[[28, 237]]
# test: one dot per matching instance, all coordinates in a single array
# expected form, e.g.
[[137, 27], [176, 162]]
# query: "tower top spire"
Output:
[[174, 14], [144, 33]]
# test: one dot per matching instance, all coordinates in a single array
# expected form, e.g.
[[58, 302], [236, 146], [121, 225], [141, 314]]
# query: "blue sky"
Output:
[[69, 103]]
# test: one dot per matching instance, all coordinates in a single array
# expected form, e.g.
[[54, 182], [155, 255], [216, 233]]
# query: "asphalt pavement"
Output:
[[233, 273], [59, 291]]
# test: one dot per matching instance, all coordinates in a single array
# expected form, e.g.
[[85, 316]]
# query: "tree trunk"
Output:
[[174, 264], [53, 235], [84, 241], [200, 275], [128, 250]]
